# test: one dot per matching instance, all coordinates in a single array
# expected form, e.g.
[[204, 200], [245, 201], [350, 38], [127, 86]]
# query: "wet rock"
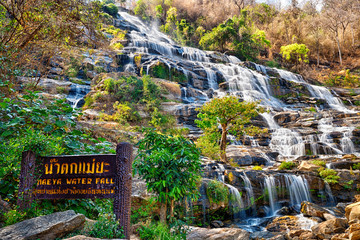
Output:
[[287, 211], [307, 166], [284, 223], [217, 224], [312, 210], [307, 235], [298, 233], [352, 213], [326, 229], [354, 231], [197, 233], [46, 227], [286, 117], [262, 235]]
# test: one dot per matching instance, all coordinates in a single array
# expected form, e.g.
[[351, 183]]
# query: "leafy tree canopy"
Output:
[[232, 115], [169, 165]]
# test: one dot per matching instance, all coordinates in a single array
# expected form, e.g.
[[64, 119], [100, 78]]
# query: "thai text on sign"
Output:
[[71, 177]]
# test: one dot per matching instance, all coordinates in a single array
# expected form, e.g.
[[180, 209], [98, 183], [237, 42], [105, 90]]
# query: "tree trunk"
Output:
[[163, 213], [339, 49], [223, 143], [172, 208]]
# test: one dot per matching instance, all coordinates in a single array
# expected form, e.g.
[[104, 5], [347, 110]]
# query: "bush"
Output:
[[111, 9], [13, 216], [329, 175], [257, 168], [356, 166], [217, 192], [158, 231], [320, 163], [106, 227], [287, 165]]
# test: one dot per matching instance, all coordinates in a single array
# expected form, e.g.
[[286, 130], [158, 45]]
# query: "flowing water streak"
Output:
[[249, 194], [236, 203], [271, 192], [298, 188]]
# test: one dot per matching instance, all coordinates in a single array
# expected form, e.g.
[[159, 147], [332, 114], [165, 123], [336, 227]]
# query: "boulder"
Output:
[[197, 233], [340, 236], [283, 223], [326, 229], [307, 166], [354, 231], [352, 212], [46, 227], [312, 210]]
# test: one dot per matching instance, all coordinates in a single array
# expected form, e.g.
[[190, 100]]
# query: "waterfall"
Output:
[[287, 142], [76, 95], [249, 193], [298, 188], [347, 146], [271, 192], [236, 203]]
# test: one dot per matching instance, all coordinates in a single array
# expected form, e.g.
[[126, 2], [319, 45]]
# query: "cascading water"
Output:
[[298, 188], [76, 94], [270, 192]]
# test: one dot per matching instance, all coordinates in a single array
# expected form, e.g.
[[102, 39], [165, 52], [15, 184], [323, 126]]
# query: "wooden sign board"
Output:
[[71, 177], [86, 176]]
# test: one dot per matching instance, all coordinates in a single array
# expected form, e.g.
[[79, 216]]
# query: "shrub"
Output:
[[287, 165], [159, 231], [217, 192], [110, 9], [257, 168], [356, 166], [329, 175], [320, 163], [106, 227], [13, 216]]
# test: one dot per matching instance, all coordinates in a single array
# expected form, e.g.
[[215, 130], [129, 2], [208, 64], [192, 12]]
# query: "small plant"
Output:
[[13, 216], [287, 165], [233, 163], [159, 231], [217, 192], [117, 46], [106, 227], [329, 175], [319, 163], [356, 166], [257, 168], [348, 184], [61, 90]]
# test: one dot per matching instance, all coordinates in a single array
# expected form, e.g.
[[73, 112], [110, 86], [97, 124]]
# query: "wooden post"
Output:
[[27, 180], [123, 181]]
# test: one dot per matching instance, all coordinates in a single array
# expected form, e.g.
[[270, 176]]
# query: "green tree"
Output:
[[295, 53], [140, 9], [232, 115], [170, 166]]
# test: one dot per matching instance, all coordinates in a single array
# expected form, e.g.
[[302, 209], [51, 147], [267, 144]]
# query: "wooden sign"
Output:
[[86, 176], [71, 177]]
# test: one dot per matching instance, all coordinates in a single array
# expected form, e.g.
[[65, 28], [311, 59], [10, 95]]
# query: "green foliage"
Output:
[[329, 175], [162, 122], [169, 165], [257, 168], [287, 165], [349, 80], [159, 231], [356, 166], [232, 115], [295, 53], [140, 9], [319, 163], [209, 146], [273, 64], [13, 216], [110, 9], [29, 122], [217, 192], [106, 227], [145, 212], [348, 184], [236, 34]]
